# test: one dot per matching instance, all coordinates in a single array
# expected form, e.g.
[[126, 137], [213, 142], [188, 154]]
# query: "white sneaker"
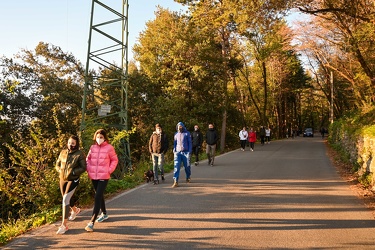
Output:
[[73, 214], [62, 229]]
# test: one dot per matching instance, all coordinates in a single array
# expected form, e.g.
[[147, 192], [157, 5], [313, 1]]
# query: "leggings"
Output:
[[99, 204], [67, 189]]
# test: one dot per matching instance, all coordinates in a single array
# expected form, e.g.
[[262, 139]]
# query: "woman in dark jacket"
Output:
[[70, 164]]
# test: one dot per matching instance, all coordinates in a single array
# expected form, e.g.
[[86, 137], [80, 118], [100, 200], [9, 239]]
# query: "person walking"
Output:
[[197, 140], [211, 141], [243, 138], [70, 165], [252, 138], [182, 148], [101, 162], [262, 135], [158, 146], [268, 135]]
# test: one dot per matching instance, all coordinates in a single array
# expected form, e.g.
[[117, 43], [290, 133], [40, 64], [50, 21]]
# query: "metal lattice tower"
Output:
[[105, 95]]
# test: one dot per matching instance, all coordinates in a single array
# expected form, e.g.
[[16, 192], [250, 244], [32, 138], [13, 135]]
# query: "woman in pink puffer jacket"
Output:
[[101, 162]]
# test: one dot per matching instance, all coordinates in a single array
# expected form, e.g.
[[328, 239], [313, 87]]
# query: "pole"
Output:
[[331, 106]]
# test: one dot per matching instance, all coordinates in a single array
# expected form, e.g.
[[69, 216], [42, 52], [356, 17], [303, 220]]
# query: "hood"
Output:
[[182, 124]]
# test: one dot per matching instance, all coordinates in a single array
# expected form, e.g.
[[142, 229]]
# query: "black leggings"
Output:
[[99, 187], [67, 189]]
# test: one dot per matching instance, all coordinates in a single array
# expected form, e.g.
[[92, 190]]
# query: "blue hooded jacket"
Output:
[[186, 139]]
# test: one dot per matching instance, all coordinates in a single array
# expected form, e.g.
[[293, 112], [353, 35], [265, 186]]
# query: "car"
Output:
[[309, 132]]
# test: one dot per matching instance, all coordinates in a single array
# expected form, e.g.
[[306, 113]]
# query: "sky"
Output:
[[65, 23]]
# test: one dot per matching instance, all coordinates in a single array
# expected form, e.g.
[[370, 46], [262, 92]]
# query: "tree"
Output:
[[38, 82]]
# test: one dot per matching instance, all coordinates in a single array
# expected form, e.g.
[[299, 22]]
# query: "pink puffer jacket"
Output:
[[101, 161]]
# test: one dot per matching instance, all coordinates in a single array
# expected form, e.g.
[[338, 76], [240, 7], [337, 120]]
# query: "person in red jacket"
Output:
[[101, 162], [252, 138]]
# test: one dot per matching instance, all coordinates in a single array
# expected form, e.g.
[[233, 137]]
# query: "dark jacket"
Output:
[[197, 138], [158, 143], [211, 137], [262, 132], [71, 164]]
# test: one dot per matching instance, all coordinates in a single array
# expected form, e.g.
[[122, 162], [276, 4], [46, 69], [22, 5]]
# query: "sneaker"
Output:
[[62, 229], [103, 217], [90, 227], [156, 182], [252, 150], [73, 214], [175, 184], [196, 163], [188, 180]]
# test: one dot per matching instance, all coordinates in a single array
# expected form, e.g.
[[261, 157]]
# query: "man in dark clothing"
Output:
[[262, 134], [158, 146], [211, 140], [197, 139]]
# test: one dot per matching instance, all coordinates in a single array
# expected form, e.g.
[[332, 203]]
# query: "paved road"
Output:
[[285, 195]]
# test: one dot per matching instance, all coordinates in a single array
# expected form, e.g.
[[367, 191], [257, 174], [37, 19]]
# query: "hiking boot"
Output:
[[162, 177], [156, 182], [62, 229], [90, 227], [102, 218], [196, 163], [73, 214], [188, 180], [175, 184]]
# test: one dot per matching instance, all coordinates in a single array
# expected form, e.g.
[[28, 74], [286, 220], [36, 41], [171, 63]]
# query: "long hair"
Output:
[[74, 137], [103, 133]]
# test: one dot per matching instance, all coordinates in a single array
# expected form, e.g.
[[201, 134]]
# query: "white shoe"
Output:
[[62, 229], [73, 214]]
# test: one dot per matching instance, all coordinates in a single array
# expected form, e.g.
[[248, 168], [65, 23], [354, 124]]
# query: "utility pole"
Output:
[[331, 103], [105, 97]]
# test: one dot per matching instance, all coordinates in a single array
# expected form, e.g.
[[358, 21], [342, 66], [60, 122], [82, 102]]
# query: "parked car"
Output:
[[309, 132]]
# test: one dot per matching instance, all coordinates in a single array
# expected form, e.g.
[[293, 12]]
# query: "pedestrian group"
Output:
[[101, 162]]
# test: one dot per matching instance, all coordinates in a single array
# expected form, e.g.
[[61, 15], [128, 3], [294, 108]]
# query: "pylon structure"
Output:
[[105, 93]]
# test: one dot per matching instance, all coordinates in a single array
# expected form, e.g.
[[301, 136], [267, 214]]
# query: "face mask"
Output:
[[99, 140], [158, 131], [71, 147]]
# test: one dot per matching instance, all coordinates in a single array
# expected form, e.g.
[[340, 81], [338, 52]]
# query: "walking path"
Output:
[[285, 195]]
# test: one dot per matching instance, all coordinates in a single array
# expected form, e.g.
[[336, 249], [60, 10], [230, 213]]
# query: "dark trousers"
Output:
[[243, 144], [99, 204], [196, 152]]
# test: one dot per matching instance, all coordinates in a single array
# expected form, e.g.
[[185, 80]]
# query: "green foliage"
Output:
[[31, 179], [366, 179], [12, 227]]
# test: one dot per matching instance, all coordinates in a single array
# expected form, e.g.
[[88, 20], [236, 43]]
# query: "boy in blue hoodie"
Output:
[[182, 148]]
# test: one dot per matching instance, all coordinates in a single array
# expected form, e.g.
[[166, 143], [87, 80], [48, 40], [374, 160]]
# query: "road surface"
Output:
[[284, 195]]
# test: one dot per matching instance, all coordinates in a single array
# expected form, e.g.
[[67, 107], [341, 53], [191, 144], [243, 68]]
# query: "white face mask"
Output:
[[99, 140]]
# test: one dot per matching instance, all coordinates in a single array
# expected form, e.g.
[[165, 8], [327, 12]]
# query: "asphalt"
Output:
[[284, 195]]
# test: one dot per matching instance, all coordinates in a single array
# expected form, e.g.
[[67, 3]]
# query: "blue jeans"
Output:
[[158, 164], [181, 157]]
